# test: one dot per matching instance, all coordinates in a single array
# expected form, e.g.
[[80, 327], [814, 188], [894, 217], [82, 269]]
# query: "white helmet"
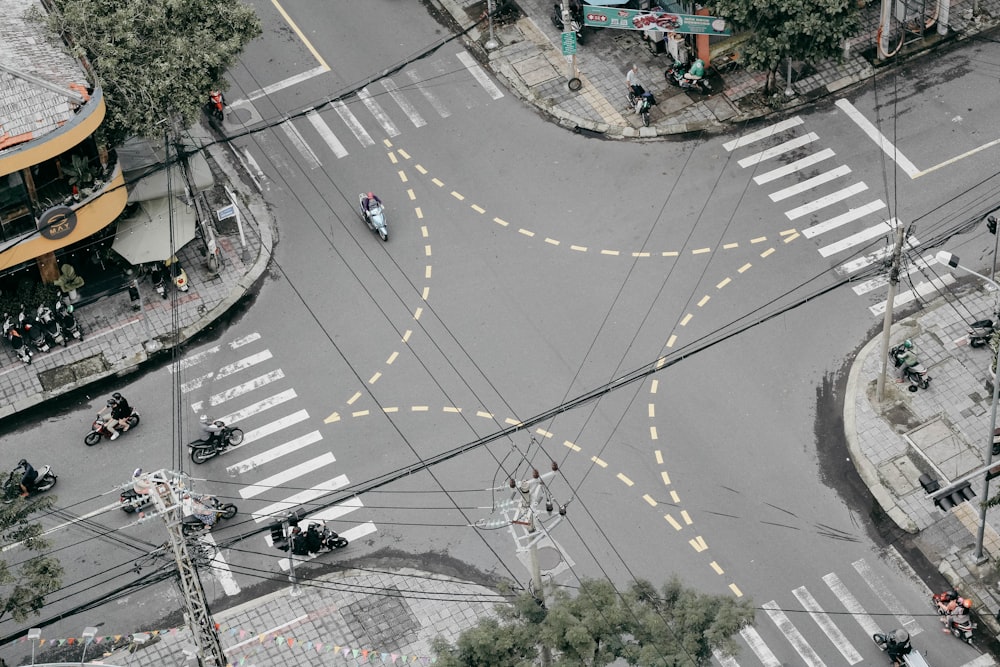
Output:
[[204, 419]]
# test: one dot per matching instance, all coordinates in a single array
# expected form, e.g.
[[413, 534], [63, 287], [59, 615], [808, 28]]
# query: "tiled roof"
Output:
[[28, 110]]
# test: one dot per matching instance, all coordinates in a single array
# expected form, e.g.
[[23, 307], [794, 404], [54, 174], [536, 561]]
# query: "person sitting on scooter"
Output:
[[121, 411], [28, 477], [299, 544], [370, 203], [196, 506], [111, 420], [213, 429], [696, 71], [897, 645], [314, 541]]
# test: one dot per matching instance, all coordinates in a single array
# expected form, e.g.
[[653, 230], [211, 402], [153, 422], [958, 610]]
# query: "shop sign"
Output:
[[633, 19], [57, 222]]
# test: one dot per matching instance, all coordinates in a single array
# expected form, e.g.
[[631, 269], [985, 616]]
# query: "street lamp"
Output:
[[951, 261], [88, 636], [34, 634]]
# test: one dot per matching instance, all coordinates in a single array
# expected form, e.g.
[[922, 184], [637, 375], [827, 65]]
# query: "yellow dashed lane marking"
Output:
[[723, 283], [449, 408], [404, 154], [356, 396], [653, 386], [653, 434], [458, 196], [420, 168], [512, 422], [411, 194], [569, 444], [698, 544], [375, 377], [402, 176], [659, 457], [664, 475], [417, 313], [759, 239], [730, 246], [614, 253], [390, 410], [503, 223], [423, 231], [671, 340], [360, 413], [673, 522], [674, 497], [704, 300], [578, 248], [700, 251], [715, 566], [392, 358], [420, 213], [478, 209], [387, 143], [686, 517], [599, 462], [552, 241], [767, 252], [736, 590], [652, 410], [419, 408], [335, 417], [427, 251], [686, 319], [625, 479], [671, 253], [791, 238], [406, 335], [392, 158], [437, 182], [640, 254], [745, 267], [427, 272], [649, 499], [526, 232], [543, 433], [425, 293], [487, 415]]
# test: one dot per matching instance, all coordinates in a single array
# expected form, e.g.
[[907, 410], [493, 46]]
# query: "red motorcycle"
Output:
[[99, 430]]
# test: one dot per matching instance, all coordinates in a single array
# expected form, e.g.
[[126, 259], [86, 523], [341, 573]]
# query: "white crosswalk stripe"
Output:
[[826, 624], [759, 648], [810, 183], [867, 234], [780, 149], [792, 634], [376, 110], [403, 103], [274, 453], [299, 142], [353, 124], [793, 167], [431, 98], [326, 134], [826, 200], [287, 475], [763, 133], [479, 75], [282, 507]]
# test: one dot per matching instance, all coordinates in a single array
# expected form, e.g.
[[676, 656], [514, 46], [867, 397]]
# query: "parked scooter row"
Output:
[[42, 330], [692, 78]]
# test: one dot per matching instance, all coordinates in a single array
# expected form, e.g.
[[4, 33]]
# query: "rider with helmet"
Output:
[[28, 477], [213, 429], [696, 71], [897, 645], [370, 202], [111, 420], [121, 411]]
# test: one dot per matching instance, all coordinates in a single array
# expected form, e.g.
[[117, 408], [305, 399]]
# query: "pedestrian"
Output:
[[632, 82]]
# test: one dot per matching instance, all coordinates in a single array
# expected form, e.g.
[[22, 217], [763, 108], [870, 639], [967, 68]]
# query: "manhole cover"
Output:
[[548, 558], [382, 620]]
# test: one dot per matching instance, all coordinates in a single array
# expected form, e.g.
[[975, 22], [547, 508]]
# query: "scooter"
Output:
[[68, 321], [132, 501], [374, 217], [575, 21], [956, 617], [99, 430], [897, 644], [180, 275], [17, 342], [676, 76], [32, 332], [12, 487], [203, 449], [647, 102], [216, 105], [158, 276], [192, 525], [329, 540], [980, 332], [913, 371], [52, 328]]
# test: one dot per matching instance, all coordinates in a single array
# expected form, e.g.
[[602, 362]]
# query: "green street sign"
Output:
[[569, 43]]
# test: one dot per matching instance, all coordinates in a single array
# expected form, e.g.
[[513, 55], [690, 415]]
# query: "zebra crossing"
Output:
[[809, 620], [382, 107], [272, 432], [838, 232]]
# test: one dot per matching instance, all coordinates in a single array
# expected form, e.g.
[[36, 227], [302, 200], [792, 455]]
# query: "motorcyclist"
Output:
[[897, 645], [28, 477], [197, 506], [369, 203], [121, 411], [314, 541], [298, 542], [213, 429], [905, 357], [110, 420], [959, 614], [696, 71]]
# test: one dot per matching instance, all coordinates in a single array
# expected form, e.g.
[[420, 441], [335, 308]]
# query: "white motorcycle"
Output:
[[374, 216]]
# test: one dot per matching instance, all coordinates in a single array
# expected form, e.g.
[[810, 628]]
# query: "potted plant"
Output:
[[68, 281], [79, 174]]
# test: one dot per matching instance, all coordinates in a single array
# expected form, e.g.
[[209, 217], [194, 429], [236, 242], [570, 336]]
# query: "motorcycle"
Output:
[[575, 20], [16, 341], [980, 331], [67, 320], [51, 326], [647, 102], [12, 487], [32, 332], [329, 540], [192, 525], [897, 644], [132, 501], [158, 276], [179, 274], [205, 448], [99, 430], [913, 371], [216, 105], [954, 612], [374, 217], [676, 76]]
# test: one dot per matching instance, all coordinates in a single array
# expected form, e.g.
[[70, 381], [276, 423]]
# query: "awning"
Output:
[[605, 3], [145, 237], [142, 162]]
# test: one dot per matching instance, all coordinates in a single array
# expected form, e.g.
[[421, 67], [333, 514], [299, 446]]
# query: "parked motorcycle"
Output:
[[575, 19], [374, 217], [980, 332], [99, 430], [12, 487], [913, 371], [955, 614], [203, 449], [51, 326], [32, 332], [647, 102], [678, 75], [67, 320], [192, 525], [15, 340], [158, 276]]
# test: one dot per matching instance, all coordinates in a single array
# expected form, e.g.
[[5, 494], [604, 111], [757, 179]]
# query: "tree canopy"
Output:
[[804, 30], [23, 587], [643, 626], [155, 59]]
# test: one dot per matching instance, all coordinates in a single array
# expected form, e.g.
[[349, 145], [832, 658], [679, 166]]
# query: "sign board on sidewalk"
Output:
[[633, 19], [569, 43], [226, 212]]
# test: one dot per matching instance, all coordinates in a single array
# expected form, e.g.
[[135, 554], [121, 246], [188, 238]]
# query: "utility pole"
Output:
[[897, 253], [162, 487]]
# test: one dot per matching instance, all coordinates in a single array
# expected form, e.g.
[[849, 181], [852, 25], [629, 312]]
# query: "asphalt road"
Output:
[[527, 266]]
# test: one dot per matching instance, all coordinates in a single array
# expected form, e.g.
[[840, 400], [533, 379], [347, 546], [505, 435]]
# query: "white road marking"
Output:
[[826, 624], [859, 263], [792, 167], [234, 418], [300, 144], [282, 507], [882, 590], [244, 340], [793, 635], [810, 183], [851, 604], [431, 98], [326, 134], [329, 514], [762, 133], [274, 482], [246, 387], [351, 535], [935, 287], [724, 660], [844, 218], [353, 124], [882, 281], [193, 360], [480, 76], [403, 103], [790, 145], [759, 648], [245, 362], [274, 453], [880, 140], [825, 201], [273, 427], [380, 115], [866, 234], [290, 81], [984, 660], [196, 383], [220, 568]]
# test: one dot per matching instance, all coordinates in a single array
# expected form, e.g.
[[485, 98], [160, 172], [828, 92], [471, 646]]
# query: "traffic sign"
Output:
[[569, 43]]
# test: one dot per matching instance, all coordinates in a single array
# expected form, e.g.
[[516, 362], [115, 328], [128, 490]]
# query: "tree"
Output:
[[804, 30], [672, 627], [155, 59], [23, 587]]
